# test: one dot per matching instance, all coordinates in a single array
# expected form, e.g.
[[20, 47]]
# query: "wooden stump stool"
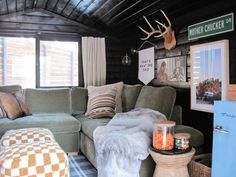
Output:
[[171, 165]]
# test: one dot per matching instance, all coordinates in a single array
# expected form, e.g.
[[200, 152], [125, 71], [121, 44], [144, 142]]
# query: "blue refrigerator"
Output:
[[224, 139]]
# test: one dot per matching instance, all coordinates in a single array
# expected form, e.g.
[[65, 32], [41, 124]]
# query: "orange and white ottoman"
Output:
[[33, 158], [27, 135]]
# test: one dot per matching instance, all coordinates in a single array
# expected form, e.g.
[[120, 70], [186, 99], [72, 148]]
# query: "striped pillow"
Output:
[[102, 105]]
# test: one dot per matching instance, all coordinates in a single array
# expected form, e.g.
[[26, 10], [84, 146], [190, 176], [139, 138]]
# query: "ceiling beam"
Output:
[[150, 5], [24, 4], [46, 4], [36, 2], [68, 1], [113, 8], [16, 5], [157, 9], [74, 8], [82, 12], [55, 5], [7, 6], [122, 12], [33, 5], [99, 7]]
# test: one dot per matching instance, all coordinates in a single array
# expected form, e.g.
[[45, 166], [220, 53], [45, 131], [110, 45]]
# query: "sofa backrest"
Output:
[[176, 115], [79, 99], [10, 88], [48, 100], [161, 99], [129, 96], [75, 100]]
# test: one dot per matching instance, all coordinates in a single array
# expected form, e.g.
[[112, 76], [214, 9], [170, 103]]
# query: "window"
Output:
[[17, 61], [58, 63]]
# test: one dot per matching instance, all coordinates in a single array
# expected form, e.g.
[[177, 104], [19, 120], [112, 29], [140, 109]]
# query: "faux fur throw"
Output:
[[123, 143]]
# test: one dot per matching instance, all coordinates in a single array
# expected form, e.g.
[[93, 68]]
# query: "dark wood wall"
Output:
[[199, 120], [114, 54], [115, 51]]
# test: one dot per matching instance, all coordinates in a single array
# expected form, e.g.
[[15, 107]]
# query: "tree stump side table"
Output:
[[171, 165]]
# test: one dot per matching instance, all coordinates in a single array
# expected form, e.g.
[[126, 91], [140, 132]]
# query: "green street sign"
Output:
[[211, 27]]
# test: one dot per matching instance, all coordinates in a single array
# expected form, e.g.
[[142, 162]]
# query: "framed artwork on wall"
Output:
[[209, 74], [170, 69]]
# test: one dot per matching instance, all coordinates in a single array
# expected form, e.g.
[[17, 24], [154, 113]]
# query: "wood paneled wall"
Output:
[[199, 120], [115, 51]]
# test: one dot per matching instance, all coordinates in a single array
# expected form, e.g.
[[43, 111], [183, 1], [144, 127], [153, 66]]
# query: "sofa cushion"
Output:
[[89, 125], [57, 123], [105, 88], [129, 96], [48, 100], [197, 137], [79, 98], [161, 99]]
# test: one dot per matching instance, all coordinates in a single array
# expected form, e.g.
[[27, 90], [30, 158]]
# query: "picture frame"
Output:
[[209, 74], [171, 69]]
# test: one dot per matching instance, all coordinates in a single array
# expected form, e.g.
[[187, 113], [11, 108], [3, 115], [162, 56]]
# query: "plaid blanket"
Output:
[[80, 167]]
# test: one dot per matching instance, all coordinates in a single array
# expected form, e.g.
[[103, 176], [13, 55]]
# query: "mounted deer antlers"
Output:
[[168, 34]]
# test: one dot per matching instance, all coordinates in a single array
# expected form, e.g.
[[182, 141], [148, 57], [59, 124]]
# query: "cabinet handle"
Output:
[[219, 129]]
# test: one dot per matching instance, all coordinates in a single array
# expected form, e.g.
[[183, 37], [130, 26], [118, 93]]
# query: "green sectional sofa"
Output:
[[50, 108], [62, 111]]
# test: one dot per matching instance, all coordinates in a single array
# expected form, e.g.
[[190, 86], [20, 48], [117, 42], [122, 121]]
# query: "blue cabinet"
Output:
[[224, 139]]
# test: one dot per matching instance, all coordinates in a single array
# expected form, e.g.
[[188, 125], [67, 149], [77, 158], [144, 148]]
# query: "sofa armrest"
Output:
[[177, 114]]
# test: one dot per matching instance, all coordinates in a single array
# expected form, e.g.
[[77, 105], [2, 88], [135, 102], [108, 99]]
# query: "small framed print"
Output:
[[171, 69]]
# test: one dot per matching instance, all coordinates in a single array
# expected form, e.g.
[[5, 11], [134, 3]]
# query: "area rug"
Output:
[[81, 167]]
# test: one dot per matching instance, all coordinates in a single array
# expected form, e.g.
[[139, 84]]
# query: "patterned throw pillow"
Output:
[[19, 97], [94, 90], [102, 105], [10, 105]]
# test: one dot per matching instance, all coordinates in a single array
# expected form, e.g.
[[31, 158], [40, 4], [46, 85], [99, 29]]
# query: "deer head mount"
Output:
[[168, 34]]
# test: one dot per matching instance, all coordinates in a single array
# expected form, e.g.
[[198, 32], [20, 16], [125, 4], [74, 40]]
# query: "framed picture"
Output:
[[209, 74], [171, 69]]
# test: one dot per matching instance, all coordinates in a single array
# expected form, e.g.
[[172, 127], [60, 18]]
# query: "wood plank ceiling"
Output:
[[119, 18]]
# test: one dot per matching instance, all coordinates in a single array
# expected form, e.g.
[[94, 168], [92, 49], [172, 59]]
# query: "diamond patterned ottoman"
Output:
[[32, 153]]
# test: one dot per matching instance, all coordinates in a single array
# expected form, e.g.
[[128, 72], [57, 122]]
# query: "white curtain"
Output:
[[94, 61]]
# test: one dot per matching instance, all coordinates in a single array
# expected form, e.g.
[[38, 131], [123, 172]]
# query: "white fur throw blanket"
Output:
[[123, 143]]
